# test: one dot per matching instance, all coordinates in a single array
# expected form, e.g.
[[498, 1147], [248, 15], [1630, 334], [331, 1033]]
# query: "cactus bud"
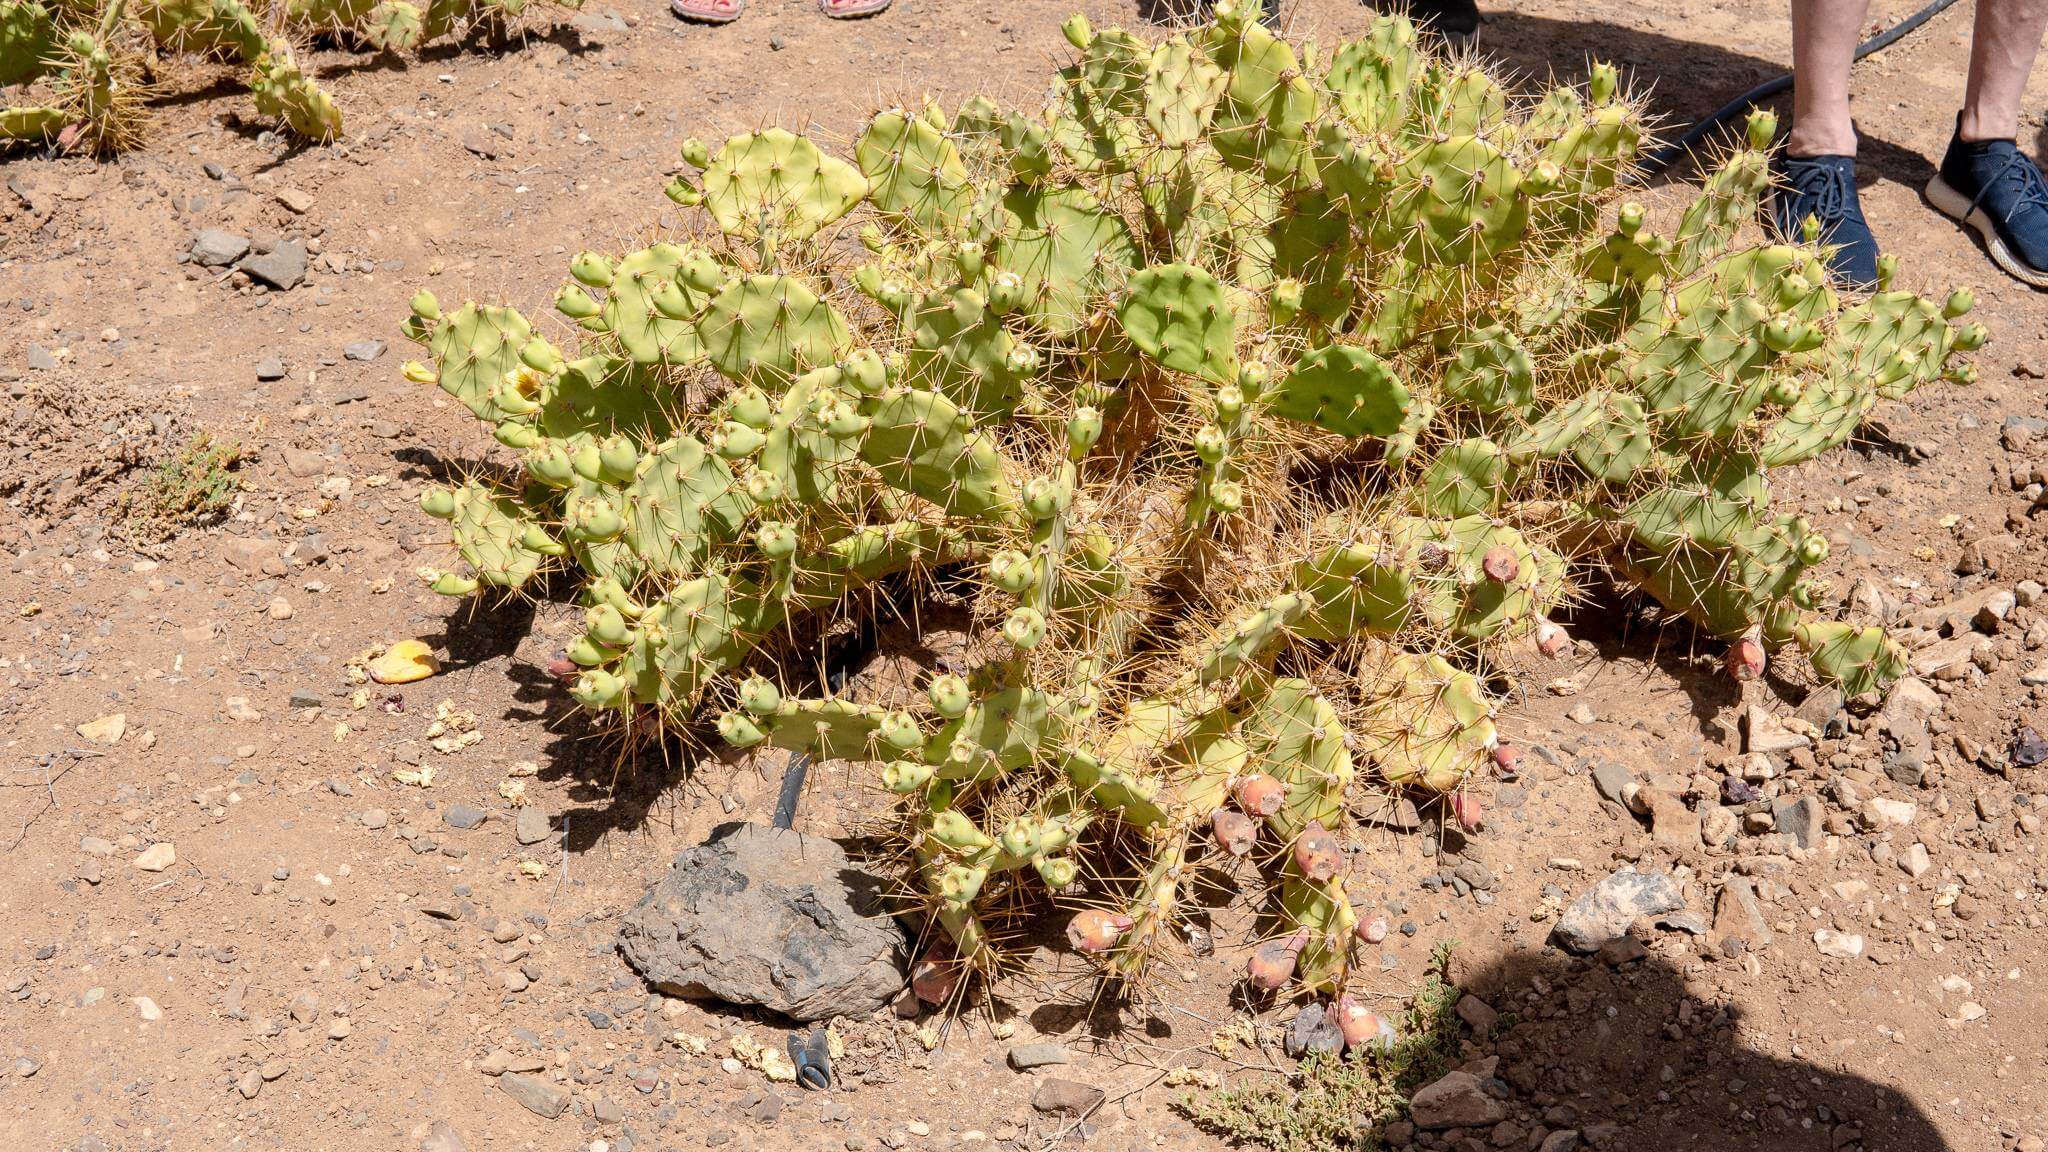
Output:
[[905, 776], [1227, 496], [1543, 177], [1283, 303], [1235, 832], [1077, 31], [548, 462], [438, 503], [736, 441], [450, 584], [969, 258], [775, 539], [1084, 428], [1260, 795], [695, 154], [617, 458], [419, 373], [540, 356], [961, 883], [1010, 571], [760, 696], [585, 652], [1211, 444], [1317, 855], [865, 373], [1761, 129], [1971, 337], [1252, 378], [595, 520], [900, 731], [683, 193], [842, 421], [751, 406], [1229, 401], [955, 831], [1056, 871], [1813, 549], [702, 273], [1603, 83], [737, 729], [1005, 293], [949, 695], [1631, 219], [1500, 564], [764, 487], [1023, 360], [969, 309], [572, 301], [592, 269], [1018, 839], [1784, 391], [1271, 964], [1044, 497], [1025, 628], [597, 688], [425, 306], [607, 625]]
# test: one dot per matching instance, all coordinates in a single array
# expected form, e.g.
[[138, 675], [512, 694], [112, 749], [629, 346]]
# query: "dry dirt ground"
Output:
[[328, 962]]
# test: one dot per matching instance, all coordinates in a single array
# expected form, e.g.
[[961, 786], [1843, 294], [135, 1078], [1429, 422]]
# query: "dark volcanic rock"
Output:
[[768, 916]]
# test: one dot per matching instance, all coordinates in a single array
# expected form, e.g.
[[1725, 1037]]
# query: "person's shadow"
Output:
[[1632, 1057]]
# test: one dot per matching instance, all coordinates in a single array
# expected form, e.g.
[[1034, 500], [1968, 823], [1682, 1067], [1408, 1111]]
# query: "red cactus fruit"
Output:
[[1235, 832], [1260, 795]]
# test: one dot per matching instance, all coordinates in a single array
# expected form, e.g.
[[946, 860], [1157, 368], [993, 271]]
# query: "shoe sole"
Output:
[[1957, 207]]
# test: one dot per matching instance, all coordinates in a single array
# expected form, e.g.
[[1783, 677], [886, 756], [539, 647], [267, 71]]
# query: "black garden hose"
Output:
[[1671, 153]]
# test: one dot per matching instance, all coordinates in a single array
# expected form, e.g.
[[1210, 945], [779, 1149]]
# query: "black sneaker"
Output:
[[1824, 188], [1994, 188]]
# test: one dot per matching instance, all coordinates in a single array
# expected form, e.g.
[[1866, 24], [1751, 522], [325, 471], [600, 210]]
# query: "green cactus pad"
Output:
[[1178, 315], [1343, 388]]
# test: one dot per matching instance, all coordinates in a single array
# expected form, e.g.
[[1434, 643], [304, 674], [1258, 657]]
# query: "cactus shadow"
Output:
[[1616, 625], [1625, 1053], [1682, 80]]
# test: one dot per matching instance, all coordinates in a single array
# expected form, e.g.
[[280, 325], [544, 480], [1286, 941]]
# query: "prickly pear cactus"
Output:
[[1261, 404]]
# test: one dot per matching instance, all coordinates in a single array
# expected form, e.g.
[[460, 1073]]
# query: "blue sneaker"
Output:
[[1994, 188], [1824, 187]]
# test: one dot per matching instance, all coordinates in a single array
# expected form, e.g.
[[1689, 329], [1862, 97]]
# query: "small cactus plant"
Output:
[[90, 58], [1264, 403]]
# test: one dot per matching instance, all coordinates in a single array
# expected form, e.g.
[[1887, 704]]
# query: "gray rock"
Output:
[[213, 248], [1565, 1141], [1312, 1030], [1477, 1014], [531, 826], [535, 1094], [463, 816], [375, 818], [1458, 1100], [1609, 779], [1821, 708], [768, 916], [1066, 1097], [271, 367], [364, 351], [442, 1138], [1799, 819], [1605, 912], [41, 359], [283, 268], [1024, 1057]]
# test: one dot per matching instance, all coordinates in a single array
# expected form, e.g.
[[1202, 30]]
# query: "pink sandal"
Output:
[[851, 9], [708, 11]]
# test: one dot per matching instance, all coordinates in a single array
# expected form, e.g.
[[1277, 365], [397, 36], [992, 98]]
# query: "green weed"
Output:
[[1341, 1101]]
